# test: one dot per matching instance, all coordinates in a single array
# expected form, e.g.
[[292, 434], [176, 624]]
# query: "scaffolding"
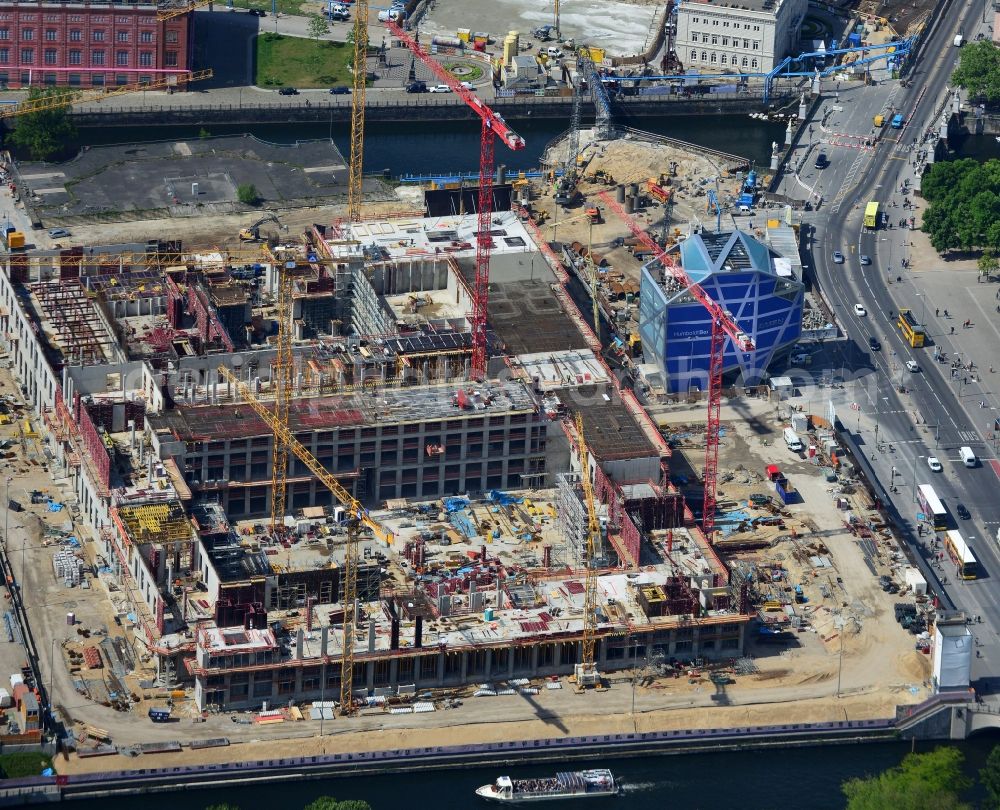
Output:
[[74, 322], [159, 523]]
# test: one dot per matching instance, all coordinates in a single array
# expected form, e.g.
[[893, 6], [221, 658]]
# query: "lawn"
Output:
[[295, 62], [284, 6], [14, 766]]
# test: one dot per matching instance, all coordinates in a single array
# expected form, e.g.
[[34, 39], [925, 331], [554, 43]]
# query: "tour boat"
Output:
[[567, 785]]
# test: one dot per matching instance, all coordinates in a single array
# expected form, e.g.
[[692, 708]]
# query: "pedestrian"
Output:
[[953, 330], [936, 311]]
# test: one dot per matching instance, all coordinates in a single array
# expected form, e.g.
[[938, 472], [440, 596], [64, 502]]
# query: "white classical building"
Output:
[[738, 36]]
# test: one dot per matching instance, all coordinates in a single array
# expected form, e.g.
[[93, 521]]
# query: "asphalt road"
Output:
[[928, 419]]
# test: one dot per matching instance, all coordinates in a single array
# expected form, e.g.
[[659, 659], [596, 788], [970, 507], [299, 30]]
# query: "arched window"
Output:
[[704, 56], [753, 64], [723, 59], [694, 54], [713, 59], [744, 62]]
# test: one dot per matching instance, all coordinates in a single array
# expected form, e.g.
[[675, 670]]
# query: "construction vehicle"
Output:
[[252, 233], [634, 344], [656, 191], [600, 177]]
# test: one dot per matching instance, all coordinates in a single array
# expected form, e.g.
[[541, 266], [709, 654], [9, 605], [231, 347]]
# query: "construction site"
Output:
[[378, 465]]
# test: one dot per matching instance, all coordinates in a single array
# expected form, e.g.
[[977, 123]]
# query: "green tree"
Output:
[[978, 70], [44, 133], [330, 803], [931, 781], [989, 775], [318, 26], [354, 804], [223, 806], [964, 205], [247, 194], [988, 264]]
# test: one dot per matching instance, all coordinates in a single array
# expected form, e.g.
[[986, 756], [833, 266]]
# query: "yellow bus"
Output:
[[871, 215], [912, 331], [960, 553]]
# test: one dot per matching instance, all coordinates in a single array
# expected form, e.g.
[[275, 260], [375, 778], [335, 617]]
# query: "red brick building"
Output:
[[90, 43]]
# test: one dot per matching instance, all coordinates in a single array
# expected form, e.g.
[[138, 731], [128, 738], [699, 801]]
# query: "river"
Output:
[[807, 778], [453, 146]]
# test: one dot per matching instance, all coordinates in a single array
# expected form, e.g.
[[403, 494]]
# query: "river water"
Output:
[[453, 146], [802, 778], [807, 778]]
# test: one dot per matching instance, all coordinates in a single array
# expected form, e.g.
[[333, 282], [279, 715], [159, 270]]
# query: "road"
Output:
[[901, 430]]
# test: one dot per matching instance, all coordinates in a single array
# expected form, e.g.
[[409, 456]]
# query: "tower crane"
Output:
[[354, 184], [356, 514], [493, 127], [67, 98], [713, 205], [283, 367], [723, 324], [586, 673], [191, 5]]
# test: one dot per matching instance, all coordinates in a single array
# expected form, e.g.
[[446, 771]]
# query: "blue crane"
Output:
[[713, 202]]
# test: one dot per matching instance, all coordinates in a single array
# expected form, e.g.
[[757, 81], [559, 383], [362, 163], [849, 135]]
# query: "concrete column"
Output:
[[394, 673], [557, 655], [534, 660], [440, 672], [370, 675], [510, 662], [488, 668], [602, 653], [465, 665]]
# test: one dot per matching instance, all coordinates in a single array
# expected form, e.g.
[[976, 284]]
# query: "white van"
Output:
[[792, 440], [967, 456], [554, 51]]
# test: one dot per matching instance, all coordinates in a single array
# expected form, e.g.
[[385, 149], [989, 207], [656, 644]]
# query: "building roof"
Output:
[[703, 254]]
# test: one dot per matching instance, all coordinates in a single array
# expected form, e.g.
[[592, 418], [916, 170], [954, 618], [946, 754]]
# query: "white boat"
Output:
[[566, 785]]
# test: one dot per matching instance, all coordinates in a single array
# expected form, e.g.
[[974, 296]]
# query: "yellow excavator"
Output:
[[252, 233]]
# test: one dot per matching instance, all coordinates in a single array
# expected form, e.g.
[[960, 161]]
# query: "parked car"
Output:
[[874, 345], [962, 512], [860, 311], [439, 88], [838, 257], [288, 91], [468, 85], [340, 91], [934, 464], [258, 12], [58, 233], [416, 87]]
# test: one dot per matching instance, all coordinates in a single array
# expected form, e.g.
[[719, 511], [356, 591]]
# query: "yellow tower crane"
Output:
[[282, 382], [586, 673], [177, 11], [354, 186], [357, 514]]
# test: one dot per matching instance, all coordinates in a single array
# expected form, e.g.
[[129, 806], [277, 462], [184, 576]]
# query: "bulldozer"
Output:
[[252, 233]]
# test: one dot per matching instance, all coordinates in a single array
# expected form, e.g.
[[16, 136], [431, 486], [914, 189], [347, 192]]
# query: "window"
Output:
[[713, 59], [756, 28], [121, 59], [75, 35], [725, 24], [694, 19], [704, 56], [4, 56], [4, 33], [171, 36], [50, 56], [27, 34], [753, 64], [704, 38], [75, 57], [746, 44], [97, 79], [170, 59], [27, 55], [725, 41], [146, 58], [694, 54], [123, 36], [146, 36], [97, 57], [723, 59], [98, 36], [715, 39], [744, 62], [50, 35], [756, 44]]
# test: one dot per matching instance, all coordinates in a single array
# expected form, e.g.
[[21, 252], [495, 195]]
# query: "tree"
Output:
[[931, 781], [330, 803], [989, 775], [44, 133], [247, 194], [964, 205], [978, 70], [223, 806], [318, 26], [988, 264]]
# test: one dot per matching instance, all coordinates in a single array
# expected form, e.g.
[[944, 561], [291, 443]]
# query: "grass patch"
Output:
[[465, 72], [295, 62], [284, 6], [17, 765]]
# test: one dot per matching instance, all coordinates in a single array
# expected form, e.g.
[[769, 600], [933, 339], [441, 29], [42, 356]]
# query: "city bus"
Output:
[[871, 215], [912, 331], [961, 555], [931, 506]]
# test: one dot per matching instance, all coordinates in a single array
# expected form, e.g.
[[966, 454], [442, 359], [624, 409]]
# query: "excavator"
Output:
[[252, 233]]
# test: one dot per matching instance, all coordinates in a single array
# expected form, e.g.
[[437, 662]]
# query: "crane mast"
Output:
[[586, 672], [360, 65], [357, 515], [282, 373], [723, 325]]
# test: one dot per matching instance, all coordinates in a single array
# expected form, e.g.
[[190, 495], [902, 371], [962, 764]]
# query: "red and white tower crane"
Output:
[[493, 127], [723, 324]]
